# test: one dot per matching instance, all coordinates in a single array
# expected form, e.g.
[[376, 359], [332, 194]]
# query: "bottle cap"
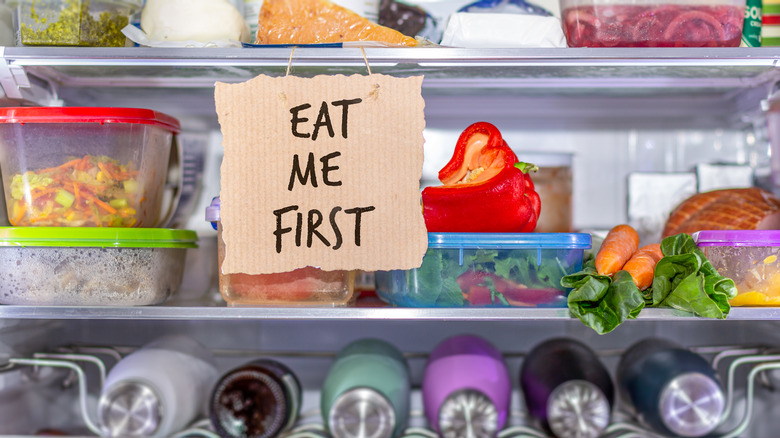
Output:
[[129, 409], [361, 413], [578, 409], [691, 405], [468, 413]]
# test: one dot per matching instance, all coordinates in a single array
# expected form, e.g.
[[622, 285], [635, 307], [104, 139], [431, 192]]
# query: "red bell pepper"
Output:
[[486, 188]]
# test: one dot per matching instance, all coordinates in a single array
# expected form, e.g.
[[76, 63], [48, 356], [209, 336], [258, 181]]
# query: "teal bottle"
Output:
[[366, 391]]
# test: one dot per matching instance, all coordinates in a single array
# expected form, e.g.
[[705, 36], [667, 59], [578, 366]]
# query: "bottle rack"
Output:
[[728, 362]]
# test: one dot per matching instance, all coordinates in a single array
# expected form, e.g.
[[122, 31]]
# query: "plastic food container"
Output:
[[645, 23], [84, 166], [307, 286], [74, 22], [488, 269], [53, 266], [750, 258]]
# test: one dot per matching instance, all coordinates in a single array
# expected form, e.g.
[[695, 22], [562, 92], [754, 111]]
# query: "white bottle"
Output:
[[157, 390]]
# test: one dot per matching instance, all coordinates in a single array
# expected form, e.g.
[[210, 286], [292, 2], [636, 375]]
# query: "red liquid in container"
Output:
[[659, 25]]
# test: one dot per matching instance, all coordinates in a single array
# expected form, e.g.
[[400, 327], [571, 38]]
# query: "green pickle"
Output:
[[75, 26]]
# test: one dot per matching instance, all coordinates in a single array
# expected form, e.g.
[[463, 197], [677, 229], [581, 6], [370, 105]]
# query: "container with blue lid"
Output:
[[488, 269], [750, 258]]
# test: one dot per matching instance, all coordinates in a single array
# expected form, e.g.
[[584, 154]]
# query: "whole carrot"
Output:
[[620, 244], [641, 265]]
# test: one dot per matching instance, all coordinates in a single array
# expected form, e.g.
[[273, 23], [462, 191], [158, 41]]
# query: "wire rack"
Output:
[[728, 361]]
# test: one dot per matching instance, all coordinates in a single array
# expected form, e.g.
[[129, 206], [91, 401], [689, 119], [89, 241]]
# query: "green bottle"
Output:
[[366, 391], [751, 27]]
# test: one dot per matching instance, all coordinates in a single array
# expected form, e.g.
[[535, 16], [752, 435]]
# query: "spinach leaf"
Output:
[[600, 302], [686, 280], [436, 278]]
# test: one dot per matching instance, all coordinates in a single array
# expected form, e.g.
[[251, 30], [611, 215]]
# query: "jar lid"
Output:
[[97, 237], [102, 115], [737, 238]]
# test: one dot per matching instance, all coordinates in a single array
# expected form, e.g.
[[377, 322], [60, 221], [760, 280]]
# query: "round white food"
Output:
[[89, 276], [193, 20]]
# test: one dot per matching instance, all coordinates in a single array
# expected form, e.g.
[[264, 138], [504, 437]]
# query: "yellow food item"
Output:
[[761, 286], [319, 21]]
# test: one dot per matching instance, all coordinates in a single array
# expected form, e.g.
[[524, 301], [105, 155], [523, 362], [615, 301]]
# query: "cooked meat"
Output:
[[728, 209]]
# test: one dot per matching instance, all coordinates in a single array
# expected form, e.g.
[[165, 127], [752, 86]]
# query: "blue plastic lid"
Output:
[[737, 238], [212, 212], [510, 240]]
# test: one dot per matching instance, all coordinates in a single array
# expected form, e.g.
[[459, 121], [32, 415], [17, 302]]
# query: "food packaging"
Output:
[[750, 258], [309, 286], [85, 166], [53, 266], [495, 30], [488, 269], [96, 23], [646, 23]]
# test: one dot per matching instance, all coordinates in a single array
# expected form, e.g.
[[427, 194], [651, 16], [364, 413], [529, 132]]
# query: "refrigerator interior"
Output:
[[611, 115]]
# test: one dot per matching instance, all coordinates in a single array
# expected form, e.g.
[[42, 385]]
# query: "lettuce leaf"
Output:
[[600, 302]]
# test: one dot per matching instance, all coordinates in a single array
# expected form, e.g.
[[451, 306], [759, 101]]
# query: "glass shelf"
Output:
[[344, 314], [707, 87]]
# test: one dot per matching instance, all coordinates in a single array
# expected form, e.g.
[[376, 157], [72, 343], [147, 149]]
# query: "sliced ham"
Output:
[[728, 209]]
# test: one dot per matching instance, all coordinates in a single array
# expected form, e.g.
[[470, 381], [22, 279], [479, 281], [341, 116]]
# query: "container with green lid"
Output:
[[54, 266]]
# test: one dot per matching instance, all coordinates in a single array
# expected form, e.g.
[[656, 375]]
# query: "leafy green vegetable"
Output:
[[600, 302], [684, 280], [436, 277]]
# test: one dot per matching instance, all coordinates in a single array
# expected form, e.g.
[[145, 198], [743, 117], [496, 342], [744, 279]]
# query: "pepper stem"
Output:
[[526, 167]]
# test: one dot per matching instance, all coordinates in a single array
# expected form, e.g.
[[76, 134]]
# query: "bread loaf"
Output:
[[728, 209]]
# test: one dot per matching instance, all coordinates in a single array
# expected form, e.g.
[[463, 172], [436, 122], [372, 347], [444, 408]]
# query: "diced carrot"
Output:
[[641, 265], [99, 203], [620, 244]]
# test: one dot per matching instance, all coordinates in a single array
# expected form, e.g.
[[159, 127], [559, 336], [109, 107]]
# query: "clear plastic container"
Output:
[[750, 258], [488, 269], [84, 166], [645, 23], [307, 286], [95, 23], [52, 266]]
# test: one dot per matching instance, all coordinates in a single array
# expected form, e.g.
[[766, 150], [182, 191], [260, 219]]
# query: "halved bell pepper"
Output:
[[486, 188]]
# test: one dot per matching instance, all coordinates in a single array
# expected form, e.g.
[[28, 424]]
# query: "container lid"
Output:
[[578, 408], [737, 238], [97, 237], [212, 211], [102, 115], [361, 413], [468, 410], [129, 409], [691, 405], [509, 240]]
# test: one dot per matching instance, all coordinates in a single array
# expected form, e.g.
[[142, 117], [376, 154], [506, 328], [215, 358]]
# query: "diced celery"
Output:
[[64, 198], [118, 203], [131, 186]]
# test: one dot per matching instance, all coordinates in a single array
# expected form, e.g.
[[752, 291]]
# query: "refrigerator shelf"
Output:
[[704, 87], [346, 314]]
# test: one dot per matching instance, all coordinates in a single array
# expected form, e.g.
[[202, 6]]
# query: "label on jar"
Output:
[[751, 28]]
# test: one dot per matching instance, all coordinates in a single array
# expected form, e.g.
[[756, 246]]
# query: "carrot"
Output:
[[20, 211], [620, 244], [64, 166], [75, 193], [641, 265], [100, 203]]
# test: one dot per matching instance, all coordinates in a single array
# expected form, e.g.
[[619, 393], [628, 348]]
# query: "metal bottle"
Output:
[[466, 388], [157, 390], [259, 399], [366, 391], [674, 390], [566, 386]]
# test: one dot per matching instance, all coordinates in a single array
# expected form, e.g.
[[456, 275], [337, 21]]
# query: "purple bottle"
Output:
[[466, 388]]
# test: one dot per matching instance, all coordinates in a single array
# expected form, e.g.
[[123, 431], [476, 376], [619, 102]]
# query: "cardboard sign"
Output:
[[322, 172]]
